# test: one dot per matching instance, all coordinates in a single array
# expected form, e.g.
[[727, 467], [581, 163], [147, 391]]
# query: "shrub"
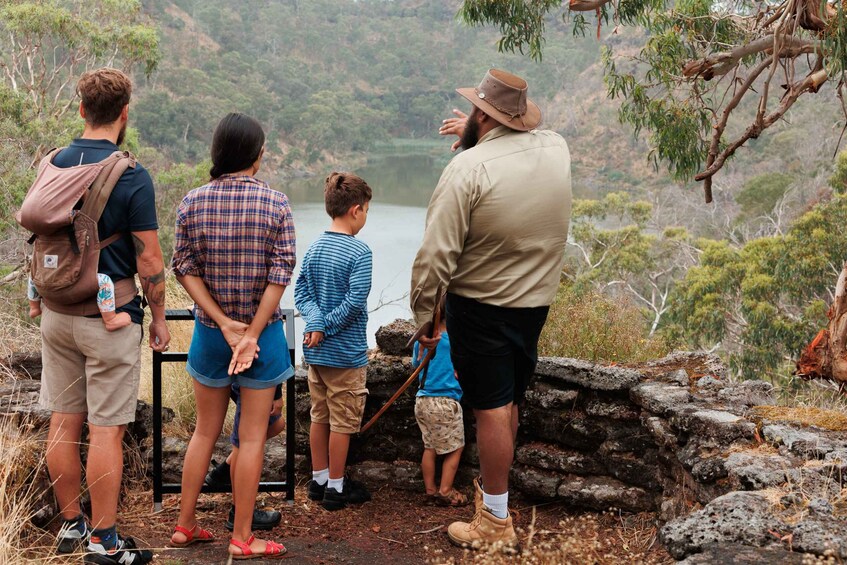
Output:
[[592, 326]]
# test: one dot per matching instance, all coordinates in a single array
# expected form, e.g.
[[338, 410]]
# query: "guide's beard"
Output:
[[470, 137]]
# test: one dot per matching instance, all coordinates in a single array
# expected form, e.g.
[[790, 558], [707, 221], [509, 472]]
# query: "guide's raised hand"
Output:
[[454, 126]]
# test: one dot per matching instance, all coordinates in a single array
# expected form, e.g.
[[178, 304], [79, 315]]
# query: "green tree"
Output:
[[49, 43], [172, 184], [46, 45], [674, 89], [642, 261], [761, 194], [763, 302]]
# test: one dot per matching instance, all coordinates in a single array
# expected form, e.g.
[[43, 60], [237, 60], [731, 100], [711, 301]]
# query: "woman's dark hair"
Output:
[[236, 145]]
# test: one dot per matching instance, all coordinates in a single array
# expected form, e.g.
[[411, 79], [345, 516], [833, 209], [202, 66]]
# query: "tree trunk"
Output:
[[826, 356]]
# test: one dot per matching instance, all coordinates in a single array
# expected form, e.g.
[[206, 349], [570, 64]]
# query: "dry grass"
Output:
[[803, 415], [794, 391], [18, 333], [23, 461], [177, 388], [591, 326], [177, 385], [585, 538]]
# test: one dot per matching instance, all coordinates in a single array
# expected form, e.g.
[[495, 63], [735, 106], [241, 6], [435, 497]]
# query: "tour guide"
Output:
[[495, 236]]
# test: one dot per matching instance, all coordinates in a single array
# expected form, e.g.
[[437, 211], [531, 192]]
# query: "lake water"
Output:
[[402, 186]]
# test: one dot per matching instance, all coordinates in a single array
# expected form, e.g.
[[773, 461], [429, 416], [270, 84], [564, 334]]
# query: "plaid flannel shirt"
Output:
[[237, 234]]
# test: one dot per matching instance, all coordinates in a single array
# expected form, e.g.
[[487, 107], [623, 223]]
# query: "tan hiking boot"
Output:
[[477, 494], [485, 530]]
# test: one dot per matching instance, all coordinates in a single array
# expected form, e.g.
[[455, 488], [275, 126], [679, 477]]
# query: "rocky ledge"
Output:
[[730, 477], [675, 437]]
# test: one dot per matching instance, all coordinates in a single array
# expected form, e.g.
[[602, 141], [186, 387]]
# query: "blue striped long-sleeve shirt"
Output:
[[332, 296]]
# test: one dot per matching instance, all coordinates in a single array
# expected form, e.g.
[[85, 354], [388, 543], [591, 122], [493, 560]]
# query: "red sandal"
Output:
[[190, 537], [272, 549]]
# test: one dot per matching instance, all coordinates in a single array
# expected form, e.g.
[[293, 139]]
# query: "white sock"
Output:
[[321, 477], [497, 503], [337, 484]]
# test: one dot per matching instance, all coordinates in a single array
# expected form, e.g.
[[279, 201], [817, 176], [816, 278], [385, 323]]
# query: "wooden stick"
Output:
[[401, 390], [436, 320]]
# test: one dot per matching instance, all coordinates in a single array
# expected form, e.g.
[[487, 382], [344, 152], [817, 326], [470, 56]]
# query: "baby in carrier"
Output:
[[105, 303]]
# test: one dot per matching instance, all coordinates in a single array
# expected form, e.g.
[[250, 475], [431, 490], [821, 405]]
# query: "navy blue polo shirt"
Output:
[[131, 207]]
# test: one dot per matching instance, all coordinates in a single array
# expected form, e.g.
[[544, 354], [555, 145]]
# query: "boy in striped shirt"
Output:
[[332, 296]]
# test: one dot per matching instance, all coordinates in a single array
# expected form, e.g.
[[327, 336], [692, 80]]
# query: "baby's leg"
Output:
[[34, 299], [106, 304]]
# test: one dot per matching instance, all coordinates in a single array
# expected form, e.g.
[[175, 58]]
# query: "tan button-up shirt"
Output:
[[497, 224]]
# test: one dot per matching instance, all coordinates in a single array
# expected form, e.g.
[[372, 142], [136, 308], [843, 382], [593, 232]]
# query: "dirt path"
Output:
[[396, 528]]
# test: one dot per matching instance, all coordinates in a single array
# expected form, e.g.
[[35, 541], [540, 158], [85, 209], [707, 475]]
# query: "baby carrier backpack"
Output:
[[61, 209]]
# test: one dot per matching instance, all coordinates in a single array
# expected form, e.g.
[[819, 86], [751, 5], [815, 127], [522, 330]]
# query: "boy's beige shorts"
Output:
[[338, 397]]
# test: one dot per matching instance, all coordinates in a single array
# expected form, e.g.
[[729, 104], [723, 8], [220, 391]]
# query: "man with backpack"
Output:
[[89, 372]]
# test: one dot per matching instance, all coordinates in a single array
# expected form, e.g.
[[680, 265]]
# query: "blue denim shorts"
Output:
[[235, 395], [210, 354]]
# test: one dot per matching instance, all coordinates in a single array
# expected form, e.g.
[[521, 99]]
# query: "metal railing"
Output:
[[160, 488]]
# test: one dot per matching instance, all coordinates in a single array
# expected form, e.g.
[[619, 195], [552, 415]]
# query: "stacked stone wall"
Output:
[[673, 437]]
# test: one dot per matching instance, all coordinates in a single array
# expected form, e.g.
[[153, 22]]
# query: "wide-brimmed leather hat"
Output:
[[502, 96]]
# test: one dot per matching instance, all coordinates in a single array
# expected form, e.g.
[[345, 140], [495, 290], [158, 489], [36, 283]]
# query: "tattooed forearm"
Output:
[[139, 245], [154, 288]]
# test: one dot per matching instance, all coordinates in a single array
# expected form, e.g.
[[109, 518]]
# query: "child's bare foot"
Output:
[[34, 309], [114, 321]]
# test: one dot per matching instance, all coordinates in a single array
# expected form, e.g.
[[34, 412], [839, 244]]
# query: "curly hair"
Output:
[[104, 93]]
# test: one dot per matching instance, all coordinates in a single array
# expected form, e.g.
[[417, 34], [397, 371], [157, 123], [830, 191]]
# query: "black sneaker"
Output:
[[125, 553], [262, 519], [356, 491], [71, 537], [334, 500], [353, 492], [316, 490], [218, 477]]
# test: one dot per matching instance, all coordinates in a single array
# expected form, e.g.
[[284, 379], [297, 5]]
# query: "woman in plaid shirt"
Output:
[[234, 254]]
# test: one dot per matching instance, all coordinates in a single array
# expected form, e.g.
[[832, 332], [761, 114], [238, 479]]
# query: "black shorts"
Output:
[[494, 350]]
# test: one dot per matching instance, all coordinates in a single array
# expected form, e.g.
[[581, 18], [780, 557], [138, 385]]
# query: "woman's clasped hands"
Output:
[[245, 348]]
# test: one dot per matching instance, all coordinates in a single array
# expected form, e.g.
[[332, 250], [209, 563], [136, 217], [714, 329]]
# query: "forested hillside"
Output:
[[338, 82], [325, 77], [331, 78]]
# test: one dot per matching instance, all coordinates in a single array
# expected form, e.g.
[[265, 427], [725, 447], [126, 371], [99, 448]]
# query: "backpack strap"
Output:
[[114, 167], [48, 158]]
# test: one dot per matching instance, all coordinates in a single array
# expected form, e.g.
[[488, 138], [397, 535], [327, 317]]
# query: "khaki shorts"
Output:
[[338, 397], [88, 369], [440, 421]]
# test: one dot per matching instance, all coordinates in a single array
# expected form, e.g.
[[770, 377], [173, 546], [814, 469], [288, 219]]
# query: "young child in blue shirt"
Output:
[[439, 417], [332, 296]]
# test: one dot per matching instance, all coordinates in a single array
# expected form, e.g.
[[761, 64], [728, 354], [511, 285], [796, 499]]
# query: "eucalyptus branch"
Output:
[[721, 63], [811, 83], [719, 128]]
